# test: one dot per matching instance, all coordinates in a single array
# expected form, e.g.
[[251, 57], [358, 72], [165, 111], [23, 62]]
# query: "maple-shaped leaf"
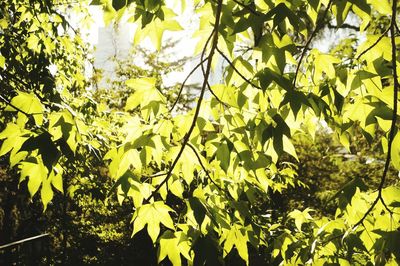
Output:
[[152, 214]]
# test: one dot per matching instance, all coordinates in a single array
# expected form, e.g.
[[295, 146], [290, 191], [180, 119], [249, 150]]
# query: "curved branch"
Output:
[[248, 7], [16, 108], [394, 117], [203, 167], [216, 97], [236, 70], [185, 141], [184, 83], [317, 28], [343, 26], [375, 43]]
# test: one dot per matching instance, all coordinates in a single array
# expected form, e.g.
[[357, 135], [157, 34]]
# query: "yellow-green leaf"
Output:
[[237, 236], [36, 172], [155, 29], [2, 61], [152, 214], [288, 147], [324, 64], [395, 153], [46, 193], [29, 104], [169, 246]]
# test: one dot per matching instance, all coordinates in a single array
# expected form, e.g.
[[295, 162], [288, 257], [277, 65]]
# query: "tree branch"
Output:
[[16, 108], [343, 26], [184, 83], [214, 35], [375, 43], [204, 168], [303, 53], [236, 70], [392, 29], [216, 97], [248, 7]]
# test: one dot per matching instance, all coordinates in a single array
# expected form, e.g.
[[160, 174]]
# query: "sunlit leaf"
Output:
[[29, 104], [153, 215]]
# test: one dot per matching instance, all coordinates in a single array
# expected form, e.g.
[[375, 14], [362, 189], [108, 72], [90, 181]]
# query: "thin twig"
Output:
[[67, 3], [375, 43], [394, 118], [204, 168], [184, 83], [16, 108], [247, 7], [236, 70], [216, 97], [156, 175], [317, 28], [185, 141], [344, 26], [204, 52]]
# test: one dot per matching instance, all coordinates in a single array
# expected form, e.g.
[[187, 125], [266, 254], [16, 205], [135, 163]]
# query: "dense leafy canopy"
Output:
[[202, 180]]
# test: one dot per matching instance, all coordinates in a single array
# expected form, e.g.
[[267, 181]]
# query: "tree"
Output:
[[203, 182]]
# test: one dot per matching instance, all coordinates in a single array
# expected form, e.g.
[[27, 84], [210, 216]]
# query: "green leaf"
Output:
[[12, 143], [223, 155], [177, 188], [341, 9], [301, 217], [11, 130], [280, 12], [119, 4], [391, 196], [323, 63], [145, 94], [237, 236], [56, 181], [2, 61], [33, 43], [267, 76], [153, 215], [206, 251], [29, 104], [141, 83], [241, 25], [395, 152], [382, 6], [226, 94], [46, 193], [155, 29], [109, 13], [199, 210], [281, 245], [172, 245], [47, 149], [36, 172], [288, 147]]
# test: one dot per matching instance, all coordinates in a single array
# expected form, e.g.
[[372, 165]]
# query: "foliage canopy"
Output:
[[201, 180]]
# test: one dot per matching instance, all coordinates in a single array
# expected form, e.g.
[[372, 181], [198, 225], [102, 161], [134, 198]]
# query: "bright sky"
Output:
[[109, 41]]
